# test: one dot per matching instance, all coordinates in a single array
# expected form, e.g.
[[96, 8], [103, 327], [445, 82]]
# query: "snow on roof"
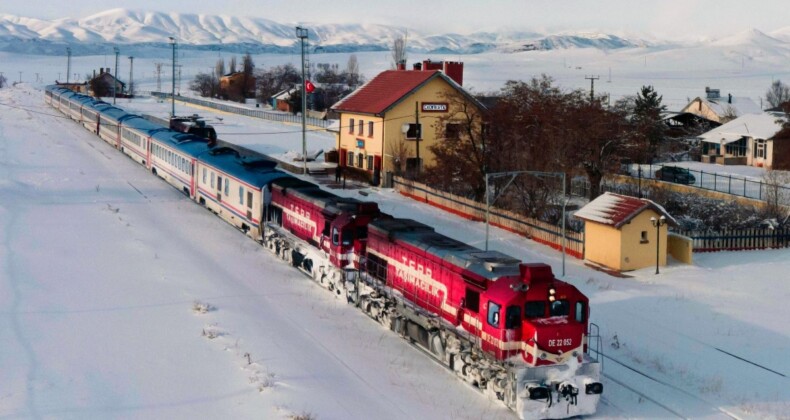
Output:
[[757, 126], [617, 210]]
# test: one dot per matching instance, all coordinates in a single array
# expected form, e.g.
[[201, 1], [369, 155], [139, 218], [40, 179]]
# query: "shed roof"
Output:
[[617, 210]]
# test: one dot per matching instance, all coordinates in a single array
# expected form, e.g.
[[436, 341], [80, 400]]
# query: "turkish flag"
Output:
[[309, 87]]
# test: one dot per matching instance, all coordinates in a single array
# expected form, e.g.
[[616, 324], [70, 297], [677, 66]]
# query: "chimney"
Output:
[[417, 66], [402, 65], [101, 71], [729, 99], [453, 69]]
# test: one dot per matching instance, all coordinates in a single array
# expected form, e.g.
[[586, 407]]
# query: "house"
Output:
[[390, 122], [687, 126], [746, 140], [716, 108], [237, 85], [281, 100], [102, 84], [620, 234], [76, 87]]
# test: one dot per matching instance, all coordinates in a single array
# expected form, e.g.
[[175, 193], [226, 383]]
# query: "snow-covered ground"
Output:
[[101, 265]]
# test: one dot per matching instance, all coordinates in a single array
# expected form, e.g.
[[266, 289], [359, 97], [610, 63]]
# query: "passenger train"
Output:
[[510, 329]]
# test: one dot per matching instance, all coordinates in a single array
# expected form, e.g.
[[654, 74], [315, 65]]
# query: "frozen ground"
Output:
[[101, 266]]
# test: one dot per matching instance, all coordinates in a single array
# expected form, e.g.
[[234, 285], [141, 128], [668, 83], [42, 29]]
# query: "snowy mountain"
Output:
[[193, 31]]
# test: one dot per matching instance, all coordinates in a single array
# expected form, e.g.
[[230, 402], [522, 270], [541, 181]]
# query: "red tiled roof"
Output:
[[617, 210], [383, 91]]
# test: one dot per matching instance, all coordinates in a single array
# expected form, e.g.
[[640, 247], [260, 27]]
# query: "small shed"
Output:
[[619, 233]]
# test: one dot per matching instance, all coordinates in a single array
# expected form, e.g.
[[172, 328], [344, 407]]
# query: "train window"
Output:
[[512, 317], [241, 195], [535, 309], [560, 308], [249, 199], [362, 232], [335, 236], [493, 314], [227, 188], [204, 175], [580, 312], [472, 300], [347, 237], [212, 180], [219, 183]]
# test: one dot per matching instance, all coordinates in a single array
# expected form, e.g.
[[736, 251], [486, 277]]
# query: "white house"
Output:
[[746, 140]]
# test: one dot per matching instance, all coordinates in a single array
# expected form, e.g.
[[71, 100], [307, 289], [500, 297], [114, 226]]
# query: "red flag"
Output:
[[309, 87]]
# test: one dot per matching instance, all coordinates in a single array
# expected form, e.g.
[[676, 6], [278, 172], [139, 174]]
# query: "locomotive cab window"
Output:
[[535, 309], [580, 312], [493, 314], [512, 317], [347, 237], [560, 307], [335, 236], [472, 300]]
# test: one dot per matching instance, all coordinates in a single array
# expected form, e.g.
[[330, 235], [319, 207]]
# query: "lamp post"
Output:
[[661, 221], [115, 75], [173, 87], [301, 33], [512, 176]]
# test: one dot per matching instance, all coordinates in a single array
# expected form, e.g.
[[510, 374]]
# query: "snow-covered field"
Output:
[[101, 266]]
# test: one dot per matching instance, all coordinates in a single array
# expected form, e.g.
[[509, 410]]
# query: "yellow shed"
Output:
[[625, 233]]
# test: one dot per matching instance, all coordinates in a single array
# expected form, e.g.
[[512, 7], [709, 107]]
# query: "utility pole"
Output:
[[131, 73], [173, 88], [115, 75], [20, 77], [68, 64], [592, 80], [301, 33], [158, 76]]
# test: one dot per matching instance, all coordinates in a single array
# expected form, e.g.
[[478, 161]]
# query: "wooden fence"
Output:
[[738, 240], [534, 229]]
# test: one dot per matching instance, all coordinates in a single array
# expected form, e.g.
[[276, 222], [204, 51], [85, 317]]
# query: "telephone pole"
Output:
[[131, 72], [592, 80], [68, 63], [301, 33], [158, 76], [115, 75]]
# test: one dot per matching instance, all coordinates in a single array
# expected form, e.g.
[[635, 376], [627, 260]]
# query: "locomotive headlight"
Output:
[[594, 388], [552, 291], [552, 298]]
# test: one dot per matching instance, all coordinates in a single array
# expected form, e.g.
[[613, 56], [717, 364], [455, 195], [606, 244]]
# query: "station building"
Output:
[[390, 123]]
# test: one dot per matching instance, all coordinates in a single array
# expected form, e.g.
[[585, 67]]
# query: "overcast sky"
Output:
[[671, 19]]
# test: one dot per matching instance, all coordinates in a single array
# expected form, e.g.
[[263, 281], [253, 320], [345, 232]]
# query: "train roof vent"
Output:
[[496, 262], [257, 163], [223, 151]]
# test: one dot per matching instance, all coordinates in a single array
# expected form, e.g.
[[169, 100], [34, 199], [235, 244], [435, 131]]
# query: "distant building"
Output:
[[237, 85], [720, 109], [746, 140], [76, 87], [101, 84], [392, 119]]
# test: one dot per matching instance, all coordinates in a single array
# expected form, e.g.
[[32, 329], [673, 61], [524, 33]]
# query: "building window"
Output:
[[350, 159], [452, 131], [361, 127], [414, 131], [370, 162], [643, 239], [360, 160], [351, 126], [370, 128]]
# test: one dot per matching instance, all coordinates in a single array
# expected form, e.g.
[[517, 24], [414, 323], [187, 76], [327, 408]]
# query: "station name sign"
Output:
[[434, 107]]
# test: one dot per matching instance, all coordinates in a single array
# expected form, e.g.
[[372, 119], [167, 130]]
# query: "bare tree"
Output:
[[219, 69], [271, 81], [399, 50], [203, 84], [352, 68], [398, 152], [3, 81], [777, 94], [232, 65], [777, 197]]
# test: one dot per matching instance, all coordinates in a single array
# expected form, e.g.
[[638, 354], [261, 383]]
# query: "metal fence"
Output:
[[255, 113], [539, 231], [736, 240], [736, 185]]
